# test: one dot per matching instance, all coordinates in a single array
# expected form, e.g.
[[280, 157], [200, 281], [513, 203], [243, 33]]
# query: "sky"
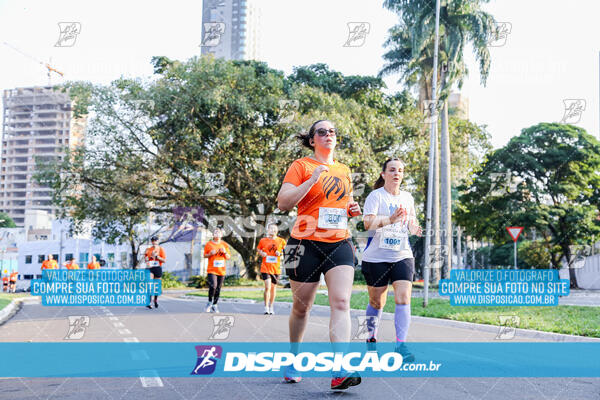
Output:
[[550, 55]]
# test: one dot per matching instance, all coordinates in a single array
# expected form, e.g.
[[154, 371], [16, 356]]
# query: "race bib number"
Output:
[[219, 263], [332, 218], [394, 238], [271, 259], [154, 264]]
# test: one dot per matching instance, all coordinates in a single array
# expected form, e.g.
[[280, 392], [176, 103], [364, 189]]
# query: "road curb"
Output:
[[9, 311]]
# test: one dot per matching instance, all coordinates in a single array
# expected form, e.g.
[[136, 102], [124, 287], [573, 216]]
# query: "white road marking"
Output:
[[150, 378], [131, 340], [124, 332], [118, 325]]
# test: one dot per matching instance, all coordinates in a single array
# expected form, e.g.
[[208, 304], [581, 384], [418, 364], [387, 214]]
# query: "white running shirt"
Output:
[[389, 243]]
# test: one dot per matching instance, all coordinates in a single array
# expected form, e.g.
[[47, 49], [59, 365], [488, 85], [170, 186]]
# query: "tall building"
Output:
[[231, 29], [37, 123]]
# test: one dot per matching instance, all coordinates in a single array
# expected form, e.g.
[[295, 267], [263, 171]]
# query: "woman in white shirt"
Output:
[[389, 215]]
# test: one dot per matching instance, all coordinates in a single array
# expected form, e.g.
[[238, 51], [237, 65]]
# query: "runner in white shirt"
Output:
[[389, 215]]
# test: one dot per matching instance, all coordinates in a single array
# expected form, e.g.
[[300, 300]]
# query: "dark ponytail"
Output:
[[380, 181], [304, 138]]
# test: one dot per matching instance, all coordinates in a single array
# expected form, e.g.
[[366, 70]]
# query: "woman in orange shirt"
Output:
[[322, 189], [217, 252], [155, 257], [270, 248], [50, 263]]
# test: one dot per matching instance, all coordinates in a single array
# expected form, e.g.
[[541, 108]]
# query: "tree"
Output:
[[6, 221], [411, 43], [547, 179], [210, 133]]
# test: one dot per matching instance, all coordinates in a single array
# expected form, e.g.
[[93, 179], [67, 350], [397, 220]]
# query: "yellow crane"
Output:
[[49, 67]]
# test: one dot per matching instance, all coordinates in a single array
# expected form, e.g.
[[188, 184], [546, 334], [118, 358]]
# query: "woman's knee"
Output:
[[340, 303], [402, 299], [377, 303], [300, 309]]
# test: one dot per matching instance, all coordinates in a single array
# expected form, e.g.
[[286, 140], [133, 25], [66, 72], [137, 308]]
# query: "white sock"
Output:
[[266, 309]]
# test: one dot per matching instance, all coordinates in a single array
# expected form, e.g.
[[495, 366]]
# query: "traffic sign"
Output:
[[514, 231]]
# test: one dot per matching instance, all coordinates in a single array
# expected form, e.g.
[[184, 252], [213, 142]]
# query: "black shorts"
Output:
[[305, 260], [274, 278], [156, 271], [381, 273]]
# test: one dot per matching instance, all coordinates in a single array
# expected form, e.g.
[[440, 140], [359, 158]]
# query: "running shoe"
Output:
[[271, 310], [407, 356], [372, 344], [214, 308], [351, 379], [267, 311], [149, 307], [208, 307], [155, 304], [290, 375]]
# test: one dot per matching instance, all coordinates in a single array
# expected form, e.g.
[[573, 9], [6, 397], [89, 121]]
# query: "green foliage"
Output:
[[171, 281], [545, 179], [6, 221], [197, 281]]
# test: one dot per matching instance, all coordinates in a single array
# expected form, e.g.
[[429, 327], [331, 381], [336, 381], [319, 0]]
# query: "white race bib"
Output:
[[219, 263], [271, 259], [393, 237], [154, 263], [332, 218]]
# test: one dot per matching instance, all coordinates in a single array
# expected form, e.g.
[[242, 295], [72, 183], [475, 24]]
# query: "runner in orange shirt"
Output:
[[71, 264], [155, 257], [322, 189], [93, 264], [270, 249], [217, 252], [13, 281], [5, 283], [50, 263]]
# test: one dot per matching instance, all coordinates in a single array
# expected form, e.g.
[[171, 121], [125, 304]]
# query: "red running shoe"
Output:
[[351, 379]]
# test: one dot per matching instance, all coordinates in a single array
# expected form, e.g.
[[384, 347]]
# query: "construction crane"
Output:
[[48, 66]]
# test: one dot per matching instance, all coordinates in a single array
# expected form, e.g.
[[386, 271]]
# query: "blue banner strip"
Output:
[[209, 359]]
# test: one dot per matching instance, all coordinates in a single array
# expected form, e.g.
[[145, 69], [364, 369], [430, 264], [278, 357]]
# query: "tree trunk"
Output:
[[435, 217], [570, 259], [446, 195]]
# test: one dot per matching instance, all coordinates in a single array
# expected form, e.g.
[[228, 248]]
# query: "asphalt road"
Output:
[[181, 319]]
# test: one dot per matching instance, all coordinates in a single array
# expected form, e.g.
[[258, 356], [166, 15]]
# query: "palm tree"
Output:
[[411, 48]]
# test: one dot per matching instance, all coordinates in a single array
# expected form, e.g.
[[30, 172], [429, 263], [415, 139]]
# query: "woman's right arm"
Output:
[[290, 195]]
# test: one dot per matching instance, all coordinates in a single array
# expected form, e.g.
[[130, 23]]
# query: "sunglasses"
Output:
[[322, 132]]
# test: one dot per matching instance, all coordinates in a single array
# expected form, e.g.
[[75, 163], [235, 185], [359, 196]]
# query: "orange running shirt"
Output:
[[14, 276], [216, 262], [49, 264], [326, 203], [148, 255], [270, 246], [93, 265], [72, 266]]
